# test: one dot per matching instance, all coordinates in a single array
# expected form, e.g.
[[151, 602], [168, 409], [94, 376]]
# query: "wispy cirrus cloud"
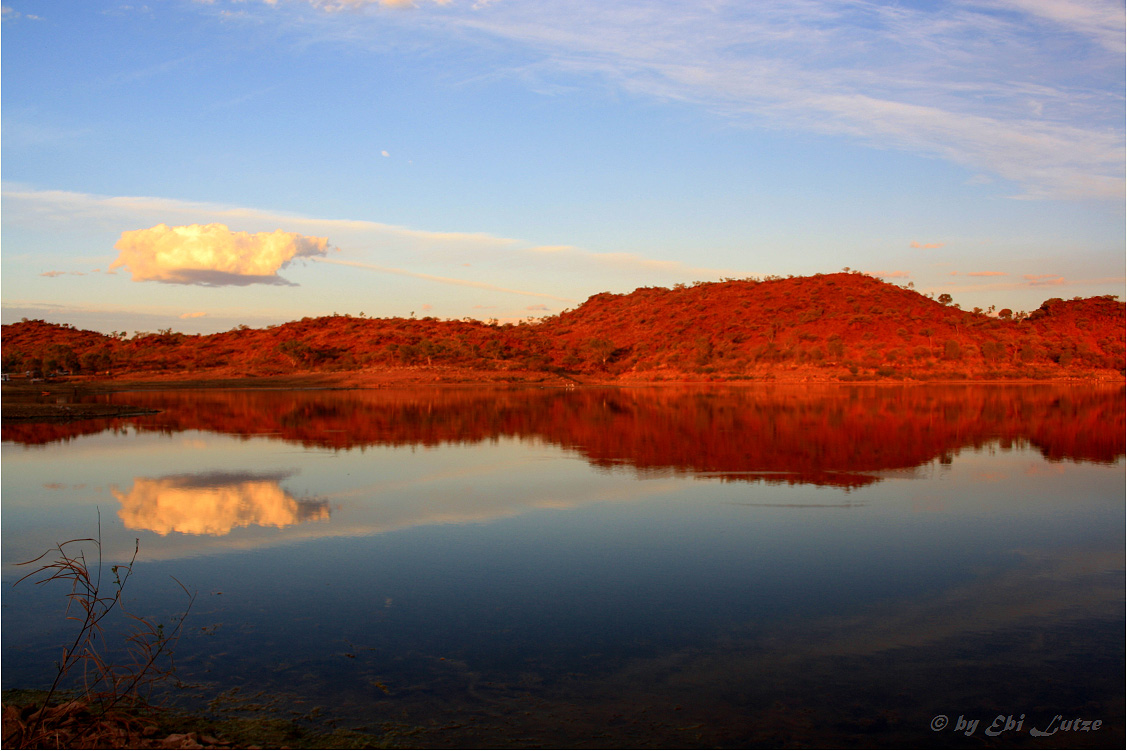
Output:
[[968, 81], [925, 246], [1039, 280], [446, 247], [69, 206], [1102, 21], [441, 279], [11, 14], [625, 261], [987, 273], [341, 5], [1044, 280]]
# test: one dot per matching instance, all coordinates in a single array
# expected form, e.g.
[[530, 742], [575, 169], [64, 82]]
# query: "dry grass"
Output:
[[107, 685]]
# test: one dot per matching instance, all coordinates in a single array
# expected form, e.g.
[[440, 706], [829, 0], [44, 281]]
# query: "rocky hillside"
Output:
[[832, 326]]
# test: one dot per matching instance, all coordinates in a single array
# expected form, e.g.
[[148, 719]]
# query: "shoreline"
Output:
[[68, 412], [23, 401], [444, 376]]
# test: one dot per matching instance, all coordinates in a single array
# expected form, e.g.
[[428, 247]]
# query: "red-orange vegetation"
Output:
[[833, 326], [823, 434]]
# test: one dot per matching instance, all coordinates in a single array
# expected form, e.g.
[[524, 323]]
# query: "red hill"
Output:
[[833, 326], [835, 323]]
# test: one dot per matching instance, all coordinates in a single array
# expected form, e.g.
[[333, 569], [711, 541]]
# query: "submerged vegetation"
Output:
[[843, 326]]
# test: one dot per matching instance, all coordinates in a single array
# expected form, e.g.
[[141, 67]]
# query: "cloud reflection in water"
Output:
[[214, 503]]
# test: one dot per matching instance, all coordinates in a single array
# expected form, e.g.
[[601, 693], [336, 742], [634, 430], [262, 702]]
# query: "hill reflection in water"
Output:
[[654, 567], [827, 435]]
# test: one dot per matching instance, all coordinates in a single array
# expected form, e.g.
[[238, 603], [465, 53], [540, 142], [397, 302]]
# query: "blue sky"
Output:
[[197, 165]]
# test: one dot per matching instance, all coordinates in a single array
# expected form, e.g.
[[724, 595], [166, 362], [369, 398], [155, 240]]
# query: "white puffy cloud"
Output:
[[211, 254]]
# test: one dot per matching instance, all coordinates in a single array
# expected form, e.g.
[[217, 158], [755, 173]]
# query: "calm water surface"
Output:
[[674, 567]]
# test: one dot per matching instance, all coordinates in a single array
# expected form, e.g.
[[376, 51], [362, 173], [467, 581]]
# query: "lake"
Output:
[[683, 566]]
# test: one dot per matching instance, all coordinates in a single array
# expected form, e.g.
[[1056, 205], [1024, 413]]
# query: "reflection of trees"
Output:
[[835, 437], [828, 435], [213, 504]]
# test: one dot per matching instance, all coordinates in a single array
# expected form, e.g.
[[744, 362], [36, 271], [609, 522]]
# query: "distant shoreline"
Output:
[[22, 399], [449, 376], [67, 412]]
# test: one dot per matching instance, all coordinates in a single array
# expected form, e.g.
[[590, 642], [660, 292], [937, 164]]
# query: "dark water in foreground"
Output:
[[675, 567]]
